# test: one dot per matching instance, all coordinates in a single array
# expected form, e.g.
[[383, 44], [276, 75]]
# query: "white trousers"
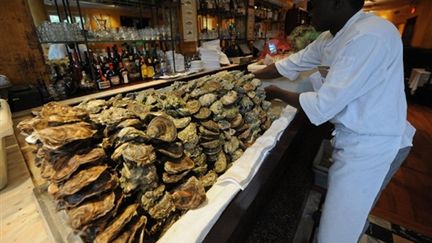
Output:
[[360, 164]]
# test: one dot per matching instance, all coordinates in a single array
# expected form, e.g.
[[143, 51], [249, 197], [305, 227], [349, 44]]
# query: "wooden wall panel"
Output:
[[21, 58]]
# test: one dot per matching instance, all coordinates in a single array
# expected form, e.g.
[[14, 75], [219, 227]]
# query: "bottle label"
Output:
[[125, 78], [104, 84], [115, 80]]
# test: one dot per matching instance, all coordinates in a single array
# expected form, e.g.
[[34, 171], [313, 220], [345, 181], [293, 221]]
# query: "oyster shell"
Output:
[[117, 225], [162, 128], [189, 195], [229, 98], [211, 125], [77, 181], [202, 169], [104, 183], [172, 150], [237, 121], [130, 233], [192, 107], [149, 198], [221, 163], [224, 124], [55, 137], [203, 113], [139, 154], [111, 116], [231, 113], [231, 145], [132, 177], [211, 144], [175, 167], [91, 210], [181, 123], [93, 106], [217, 107], [163, 208], [66, 170], [246, 104], [128, 134], [236, 155], [206, 132], [189, 134], [208, 179], [169, 179], [139, 110], [207, 99], [54, 112]]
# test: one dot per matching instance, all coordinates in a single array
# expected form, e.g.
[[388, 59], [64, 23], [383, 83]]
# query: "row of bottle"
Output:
[[228, 5], [114, 66]]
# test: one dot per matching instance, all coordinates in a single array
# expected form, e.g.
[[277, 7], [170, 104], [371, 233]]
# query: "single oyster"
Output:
[[91, 210], [117, 225], [149, 198], [55, 137], [175, 167], [236, 155], [112, 115], [189, 134], [77, 182], [200, 159], [211, 144], [104, 183], [206, 132], [246, 104], [212, 86], [133, 177], [192, 107], [245, 135], [54, 112], [266, 105], [211, 125], [231, 145], [224, 124], [129, 234], [181, 123], [138, 109], [92, 106], [207, 99], [72, 164], [168, 179], [251, 94], [256, 82], [217, 107], [162, 128], [237, 121], [208, 179], [212, 152], [231, 113], [193, 150], [189, 195], [221, 163], [172, 150], [162, 208], [201, 170], [203, 113], [128, 134], [230, 98], [139, 154]]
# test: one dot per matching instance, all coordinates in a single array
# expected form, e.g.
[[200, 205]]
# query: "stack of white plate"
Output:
[[210, 58], [197, 66], [179, 61]]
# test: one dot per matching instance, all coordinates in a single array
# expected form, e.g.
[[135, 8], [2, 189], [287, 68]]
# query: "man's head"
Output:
[[333, 14]]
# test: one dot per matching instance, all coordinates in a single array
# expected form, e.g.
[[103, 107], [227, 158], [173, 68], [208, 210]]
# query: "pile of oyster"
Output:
[[125, 169]]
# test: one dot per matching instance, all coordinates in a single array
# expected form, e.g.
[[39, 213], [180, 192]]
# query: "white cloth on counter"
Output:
[[212, 55], [195, 224]]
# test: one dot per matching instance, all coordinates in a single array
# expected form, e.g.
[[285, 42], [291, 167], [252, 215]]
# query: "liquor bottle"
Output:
[[86, 82], [149, 62], [124, 73], [143, 68], [112, 75], [156, 62], [115, 57], [102, 82]]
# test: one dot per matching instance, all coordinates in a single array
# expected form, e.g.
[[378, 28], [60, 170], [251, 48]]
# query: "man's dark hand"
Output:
[[273, 92]]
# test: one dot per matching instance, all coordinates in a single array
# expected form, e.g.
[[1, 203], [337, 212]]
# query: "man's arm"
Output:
[[268, 72], [291, 98]]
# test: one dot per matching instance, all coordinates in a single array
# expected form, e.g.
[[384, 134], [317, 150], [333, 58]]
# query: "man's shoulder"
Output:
[[371, 24]]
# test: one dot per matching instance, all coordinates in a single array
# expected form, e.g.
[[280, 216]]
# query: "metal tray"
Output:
[[56, 222]]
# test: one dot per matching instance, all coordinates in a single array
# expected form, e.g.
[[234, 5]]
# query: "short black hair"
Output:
[[357, 4]]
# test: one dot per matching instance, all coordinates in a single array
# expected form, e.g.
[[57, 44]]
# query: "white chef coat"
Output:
[[363, 95]]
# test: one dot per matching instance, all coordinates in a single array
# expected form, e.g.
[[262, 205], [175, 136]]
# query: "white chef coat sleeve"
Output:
[[303, 60], [356, 70]]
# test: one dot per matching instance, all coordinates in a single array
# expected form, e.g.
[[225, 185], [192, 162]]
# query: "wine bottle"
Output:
[[124, 73], [101, 81], [112, 75]]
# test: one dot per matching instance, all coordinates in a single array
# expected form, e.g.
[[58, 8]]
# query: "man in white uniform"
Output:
[[360, 89]]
